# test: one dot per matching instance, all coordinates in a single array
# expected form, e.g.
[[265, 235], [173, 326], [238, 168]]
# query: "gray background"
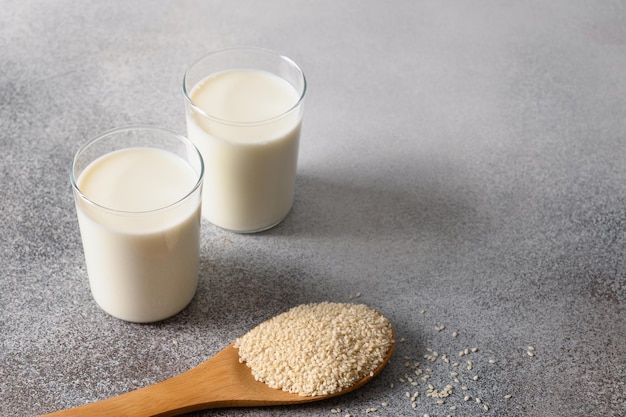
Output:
[[465, 158]]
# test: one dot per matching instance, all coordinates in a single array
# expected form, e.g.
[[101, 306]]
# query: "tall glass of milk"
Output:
[[244, 110], [138, 193]]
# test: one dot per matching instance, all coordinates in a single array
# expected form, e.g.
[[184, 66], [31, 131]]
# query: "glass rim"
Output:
[[291, 62], [111, 132]]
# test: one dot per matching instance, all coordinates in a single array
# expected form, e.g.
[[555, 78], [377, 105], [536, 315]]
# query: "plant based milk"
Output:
[[249, 139], [142, 266]]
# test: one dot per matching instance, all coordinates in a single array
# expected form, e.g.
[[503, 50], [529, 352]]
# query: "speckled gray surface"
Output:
[[467, 159]]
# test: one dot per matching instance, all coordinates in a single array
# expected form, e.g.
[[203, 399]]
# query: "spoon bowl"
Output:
[[222, 381]]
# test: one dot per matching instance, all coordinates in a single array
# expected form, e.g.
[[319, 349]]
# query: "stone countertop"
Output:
[[463, 164]]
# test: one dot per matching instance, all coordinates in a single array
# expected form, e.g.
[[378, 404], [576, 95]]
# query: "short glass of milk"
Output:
[[244, 110], [138, 194]]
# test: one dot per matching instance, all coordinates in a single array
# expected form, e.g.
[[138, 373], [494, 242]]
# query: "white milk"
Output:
[[141, 267], [250, 168]]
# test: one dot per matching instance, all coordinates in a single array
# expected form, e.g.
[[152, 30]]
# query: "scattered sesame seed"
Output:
[[530, 353], [408, 394], [336, 410], [475, 378], [464, 388], [474, 349], [531, 348], [440, 402], [385, 404], [455, 364], [454, 334], [466, 398], [414, 404], [492, 361], [422, 311], [453, 408], [440, 328], [508, 396], [485, 407], [478, 400], [454, 374]]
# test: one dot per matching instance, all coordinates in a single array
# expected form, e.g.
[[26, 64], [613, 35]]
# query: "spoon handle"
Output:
[[199, 388], [172, 397]]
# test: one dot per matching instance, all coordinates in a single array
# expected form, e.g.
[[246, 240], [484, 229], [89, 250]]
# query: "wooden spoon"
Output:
[[221, 381]]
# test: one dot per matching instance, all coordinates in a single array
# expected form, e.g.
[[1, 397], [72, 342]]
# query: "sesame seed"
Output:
[[485, 407], [422, 311], [453, 408], [530, 353], [474, 349], [466, 398], [478, 400], [508, 396], [276, 345], [414, 404], [440, 402], [454, 334], [531, 348], [385, 404], [464, 388], [492, 361], [454, 374], [475, 378]]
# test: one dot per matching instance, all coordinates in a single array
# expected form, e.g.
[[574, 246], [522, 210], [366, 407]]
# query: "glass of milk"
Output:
[[244, 110], [138, 193]]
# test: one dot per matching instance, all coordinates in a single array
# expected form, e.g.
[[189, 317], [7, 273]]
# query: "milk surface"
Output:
[[141, 267], [250, 168]]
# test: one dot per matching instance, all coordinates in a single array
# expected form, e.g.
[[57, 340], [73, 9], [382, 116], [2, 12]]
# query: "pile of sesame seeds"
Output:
[[317, 349]]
